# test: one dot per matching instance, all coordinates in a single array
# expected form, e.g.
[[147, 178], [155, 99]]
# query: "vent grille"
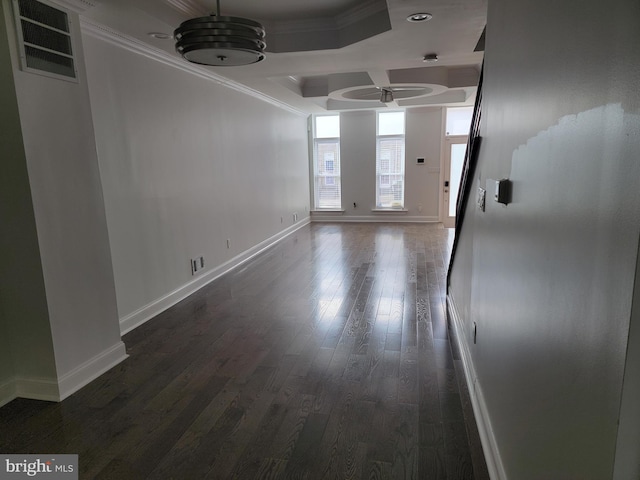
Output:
[[44, 35]]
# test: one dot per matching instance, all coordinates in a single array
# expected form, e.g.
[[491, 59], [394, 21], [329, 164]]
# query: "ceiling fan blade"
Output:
[[370, 94], [406, 89]]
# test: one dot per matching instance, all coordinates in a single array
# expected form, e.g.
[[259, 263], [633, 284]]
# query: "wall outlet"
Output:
[[197, 264]]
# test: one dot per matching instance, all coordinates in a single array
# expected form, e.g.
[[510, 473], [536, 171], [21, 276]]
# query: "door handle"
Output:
[[446, 183]]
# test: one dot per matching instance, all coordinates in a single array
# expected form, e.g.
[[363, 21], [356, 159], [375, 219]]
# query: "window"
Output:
[[326, 162], [390, 160], [459, 120]]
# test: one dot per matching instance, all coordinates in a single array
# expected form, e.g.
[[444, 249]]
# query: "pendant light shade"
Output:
[[220, 41]]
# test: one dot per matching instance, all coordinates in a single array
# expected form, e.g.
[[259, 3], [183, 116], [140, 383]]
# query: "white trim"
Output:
[[34, 388], [7, 391], [131, 44], [389, 210], [56, 391], [372, 218], [76, 6], [487, 437], [37, 389], [80, 376], [190, 8], [443, 160], [147, 312]]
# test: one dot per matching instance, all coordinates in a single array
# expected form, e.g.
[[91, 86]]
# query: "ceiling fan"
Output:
[[386, 94]]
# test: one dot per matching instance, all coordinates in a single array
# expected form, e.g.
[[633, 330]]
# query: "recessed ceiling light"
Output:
[[419, 17], [430, 58], [160, 35]]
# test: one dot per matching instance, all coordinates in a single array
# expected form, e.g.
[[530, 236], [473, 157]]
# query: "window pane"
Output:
[[391, 123], [327, 191], [459, 120], [390, 172], [328, 126], [458, 151]]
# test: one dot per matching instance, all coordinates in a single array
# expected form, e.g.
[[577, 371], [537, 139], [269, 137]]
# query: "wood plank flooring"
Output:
[[327, 356]]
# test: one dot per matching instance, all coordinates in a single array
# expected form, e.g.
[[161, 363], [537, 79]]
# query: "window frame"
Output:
[[320, 175], [390, 172]]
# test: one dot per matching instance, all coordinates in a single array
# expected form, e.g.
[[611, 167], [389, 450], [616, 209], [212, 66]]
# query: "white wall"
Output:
[[424, 139], [358, 162], [627, 464], [358, 167], [549, 278], [61, 161], [26, 351], [187, 164]]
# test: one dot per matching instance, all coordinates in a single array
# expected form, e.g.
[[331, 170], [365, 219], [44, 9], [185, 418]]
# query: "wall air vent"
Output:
[[44, 39]]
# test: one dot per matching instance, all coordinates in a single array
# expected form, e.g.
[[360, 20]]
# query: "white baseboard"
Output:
[[37, 389], [34, 388], [80, 376], [56, 391], [391, 217], [147, 312], [7, 391], [487, 437]]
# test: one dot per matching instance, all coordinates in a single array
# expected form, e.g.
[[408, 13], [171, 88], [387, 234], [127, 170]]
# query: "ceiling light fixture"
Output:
[[419, 17], [430, 58], [220, 41], [386, 95]]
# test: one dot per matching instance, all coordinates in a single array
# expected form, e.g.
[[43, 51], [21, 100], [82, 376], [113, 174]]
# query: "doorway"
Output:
[[455, 150]]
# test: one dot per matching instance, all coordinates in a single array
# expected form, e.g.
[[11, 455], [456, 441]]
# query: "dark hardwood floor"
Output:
[[327, 356]]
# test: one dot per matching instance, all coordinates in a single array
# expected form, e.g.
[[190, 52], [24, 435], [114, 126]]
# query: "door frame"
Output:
[[447, 221]]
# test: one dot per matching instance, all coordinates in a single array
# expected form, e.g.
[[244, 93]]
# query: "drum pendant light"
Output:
[[220, 41]]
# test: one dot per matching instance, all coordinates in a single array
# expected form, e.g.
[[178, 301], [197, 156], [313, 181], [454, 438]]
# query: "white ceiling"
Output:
[[320, 52]]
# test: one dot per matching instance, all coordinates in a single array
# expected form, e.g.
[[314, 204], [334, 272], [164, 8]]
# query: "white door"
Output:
[[456, 147]]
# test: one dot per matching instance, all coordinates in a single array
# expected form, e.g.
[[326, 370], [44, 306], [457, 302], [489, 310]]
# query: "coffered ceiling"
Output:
[[331, 55]]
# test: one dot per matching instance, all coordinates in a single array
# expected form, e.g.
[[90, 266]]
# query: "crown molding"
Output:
[[134, 45], [77, 6], [188, 7]]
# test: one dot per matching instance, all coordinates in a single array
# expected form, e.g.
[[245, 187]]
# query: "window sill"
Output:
[[390, 210], [327, 210]]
